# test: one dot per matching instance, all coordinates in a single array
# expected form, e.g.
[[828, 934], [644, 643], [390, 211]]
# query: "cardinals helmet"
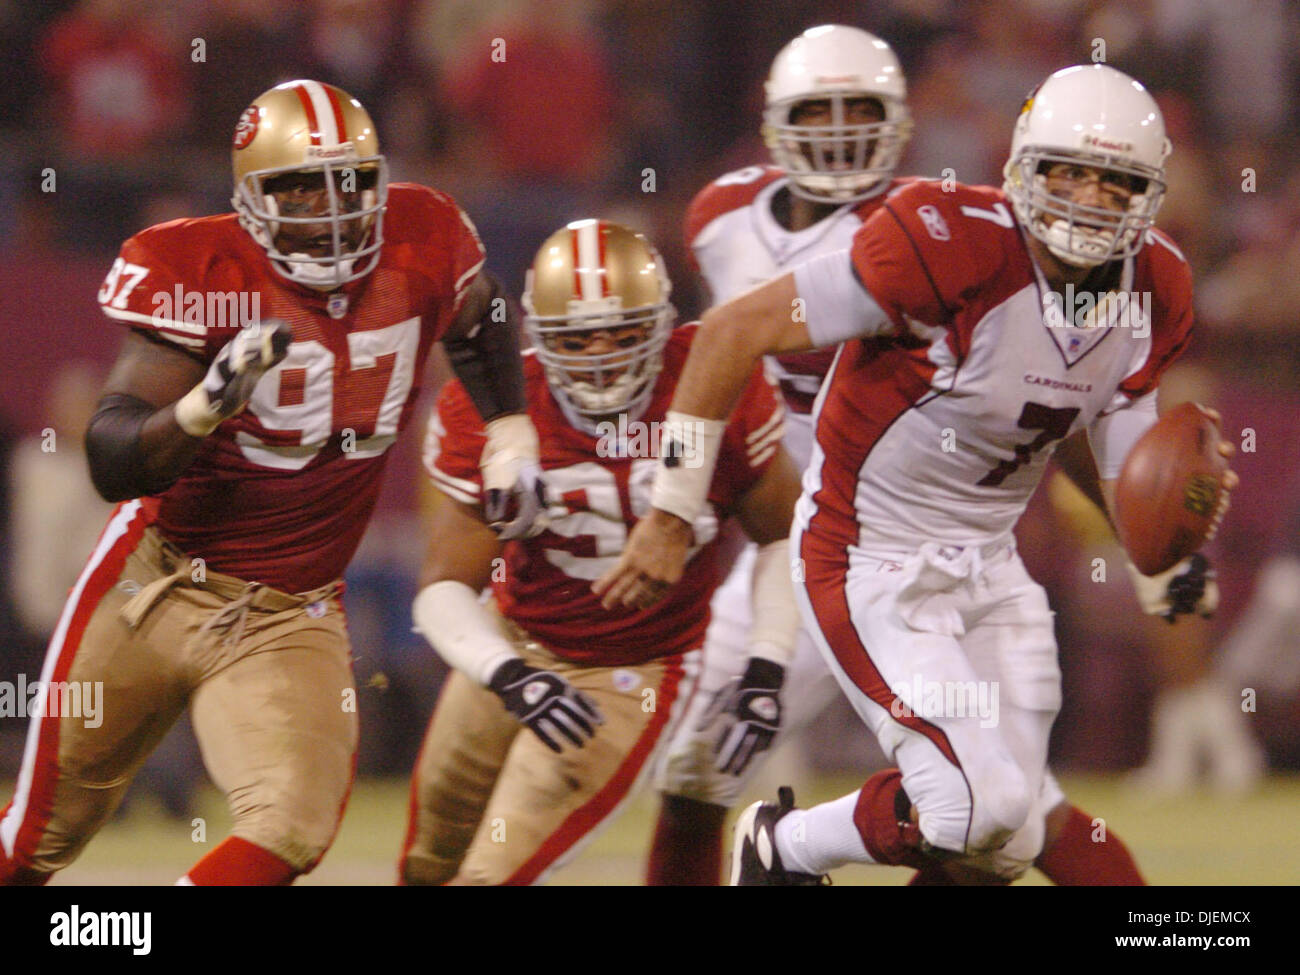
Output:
[[839, 162], [1096, 117]]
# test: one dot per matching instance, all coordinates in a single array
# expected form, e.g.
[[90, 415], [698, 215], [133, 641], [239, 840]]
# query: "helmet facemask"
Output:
[[602, 385], [840, 162], [261, 215], [1078, 234]]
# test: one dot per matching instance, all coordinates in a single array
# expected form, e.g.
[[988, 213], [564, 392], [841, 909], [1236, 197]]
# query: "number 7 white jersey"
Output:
[[936, 423]]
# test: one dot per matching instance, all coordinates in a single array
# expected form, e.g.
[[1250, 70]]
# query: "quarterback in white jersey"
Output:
[[837, 123], [969, 348]]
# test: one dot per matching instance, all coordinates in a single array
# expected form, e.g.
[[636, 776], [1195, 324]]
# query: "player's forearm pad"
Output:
[[487, 361], [689, 449], [775, 628], [463, 632], [117, 465]]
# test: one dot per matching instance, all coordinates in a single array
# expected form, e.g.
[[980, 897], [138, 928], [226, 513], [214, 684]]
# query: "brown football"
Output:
[[1169, 488]]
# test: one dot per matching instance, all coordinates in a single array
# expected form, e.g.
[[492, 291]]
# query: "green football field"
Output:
[[1204, 839]]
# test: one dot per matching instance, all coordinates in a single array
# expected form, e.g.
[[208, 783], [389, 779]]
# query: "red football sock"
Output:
[[883, 817], [1076, 859], [12, 875], [687, 847], [239, 863]]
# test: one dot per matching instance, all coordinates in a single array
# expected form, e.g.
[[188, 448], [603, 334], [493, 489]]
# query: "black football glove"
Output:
[[753, 703], [546, 703], [1189, 587]]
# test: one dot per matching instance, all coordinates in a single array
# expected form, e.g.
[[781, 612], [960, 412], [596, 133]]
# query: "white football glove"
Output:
[[1188, 587], [514, 494], [234, 372]]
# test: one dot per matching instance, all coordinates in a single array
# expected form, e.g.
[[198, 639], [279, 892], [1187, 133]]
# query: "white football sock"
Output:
[[821, 838]]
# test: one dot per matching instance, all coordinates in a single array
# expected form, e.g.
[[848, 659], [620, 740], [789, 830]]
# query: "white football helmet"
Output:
[[1089, 115], [836, 163], [310, 127], [590, 276]]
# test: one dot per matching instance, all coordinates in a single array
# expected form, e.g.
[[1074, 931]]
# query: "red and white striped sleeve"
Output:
[[751, 441], [453, 445]]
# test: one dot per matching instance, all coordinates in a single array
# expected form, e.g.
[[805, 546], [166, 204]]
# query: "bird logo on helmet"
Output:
[[1096, 117], [841, 162], [305, 140], [597, 312]]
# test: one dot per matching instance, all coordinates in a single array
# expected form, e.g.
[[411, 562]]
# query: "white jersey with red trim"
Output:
[[737, 243], [936, 424]]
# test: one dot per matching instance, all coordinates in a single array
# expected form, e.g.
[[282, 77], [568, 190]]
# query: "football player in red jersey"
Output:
[[836, 122], [599, 690], [955, 352], [272, 357]]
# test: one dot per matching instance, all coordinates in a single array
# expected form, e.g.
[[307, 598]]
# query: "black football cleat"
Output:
[[754, 860]]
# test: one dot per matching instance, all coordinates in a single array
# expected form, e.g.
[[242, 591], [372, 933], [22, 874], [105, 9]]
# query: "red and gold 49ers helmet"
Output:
[[312, 128], [597, 311]]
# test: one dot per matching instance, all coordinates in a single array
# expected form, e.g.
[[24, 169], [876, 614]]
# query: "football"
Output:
[[1169, 488]]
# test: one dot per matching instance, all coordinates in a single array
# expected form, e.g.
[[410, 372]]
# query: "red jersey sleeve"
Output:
[[1163, 271], [438, 241], [453, 445], [751, 441], [924, 249], [145, 290]]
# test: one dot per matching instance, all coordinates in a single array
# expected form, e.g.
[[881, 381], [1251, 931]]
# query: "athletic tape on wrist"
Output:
[[775, 626], [194, 413], [688, 447]]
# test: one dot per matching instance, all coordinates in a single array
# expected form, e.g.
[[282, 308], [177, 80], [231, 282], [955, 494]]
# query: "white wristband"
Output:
[[689, 447], [461, 629], [194, 413], [775, 626]]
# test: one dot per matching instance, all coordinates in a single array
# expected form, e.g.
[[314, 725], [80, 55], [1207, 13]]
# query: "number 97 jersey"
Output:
[[281, 493], [598, 485]]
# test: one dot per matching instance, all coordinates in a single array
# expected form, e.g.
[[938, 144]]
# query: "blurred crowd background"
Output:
[[117, 114]]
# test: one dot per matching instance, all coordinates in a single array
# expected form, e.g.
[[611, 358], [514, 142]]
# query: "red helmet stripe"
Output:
[[337, 106], [601, 231], [312, 122], [577, 264]]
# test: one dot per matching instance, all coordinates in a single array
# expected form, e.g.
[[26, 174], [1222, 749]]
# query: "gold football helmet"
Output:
[[322, 135], [597, 312]]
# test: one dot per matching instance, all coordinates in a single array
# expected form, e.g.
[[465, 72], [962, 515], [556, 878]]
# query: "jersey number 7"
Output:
[[1054, 424]]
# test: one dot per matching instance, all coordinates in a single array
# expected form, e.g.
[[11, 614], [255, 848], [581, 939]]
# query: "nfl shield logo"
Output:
[[337, 305], [625, 680]]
